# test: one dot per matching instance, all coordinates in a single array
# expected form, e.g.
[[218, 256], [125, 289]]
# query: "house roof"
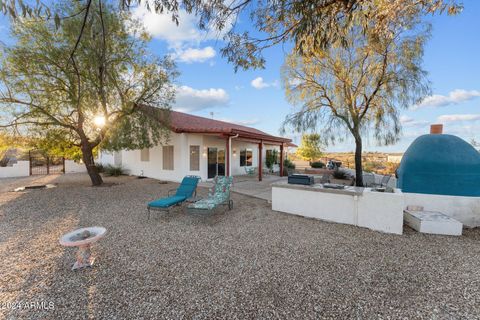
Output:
[[182, 122]]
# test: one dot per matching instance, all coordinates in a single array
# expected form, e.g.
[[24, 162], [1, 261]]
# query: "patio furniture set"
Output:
[[218, 195], [369, 182]]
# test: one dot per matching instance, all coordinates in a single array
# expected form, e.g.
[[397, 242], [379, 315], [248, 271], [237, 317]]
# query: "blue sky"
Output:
[[255, 98]]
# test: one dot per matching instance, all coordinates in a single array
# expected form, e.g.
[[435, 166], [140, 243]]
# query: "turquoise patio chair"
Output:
[[218, 195], [186, 190], [251, 171]]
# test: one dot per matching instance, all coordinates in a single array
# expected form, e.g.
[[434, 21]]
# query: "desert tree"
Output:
[[95, 97], [357, 88], [308, 24], [310, 147]]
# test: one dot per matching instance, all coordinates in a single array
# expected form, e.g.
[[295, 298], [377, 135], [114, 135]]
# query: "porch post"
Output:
[[281, 160], [260, 165], [227, 157]]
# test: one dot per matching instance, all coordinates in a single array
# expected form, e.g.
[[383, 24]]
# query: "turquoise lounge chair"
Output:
[[218, 195], [186, 190]]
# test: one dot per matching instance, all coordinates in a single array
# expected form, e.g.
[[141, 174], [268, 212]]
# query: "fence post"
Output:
[[48, 165], [63, 163], [30, 161]]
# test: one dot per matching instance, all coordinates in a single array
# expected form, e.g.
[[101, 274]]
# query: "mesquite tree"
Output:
[[93, 97], [308, 24], [359, 86]]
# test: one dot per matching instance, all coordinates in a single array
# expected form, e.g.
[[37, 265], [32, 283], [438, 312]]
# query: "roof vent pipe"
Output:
[[436, 129]]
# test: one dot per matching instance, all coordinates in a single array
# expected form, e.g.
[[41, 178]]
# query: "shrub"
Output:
[[100, 167], [271, 158], [338, 174], [113, 170], [373, 166], [317, 164], [288, 164], [4, 161], [288, 167]]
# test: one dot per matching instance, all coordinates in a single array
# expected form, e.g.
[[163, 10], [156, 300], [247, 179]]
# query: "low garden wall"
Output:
[[19, 169], [356, 206], [74, 167], [22, 169], [318, 171], [363, 207], [464, 209]]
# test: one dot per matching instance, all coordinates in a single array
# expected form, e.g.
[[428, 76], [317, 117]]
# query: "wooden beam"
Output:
[[281, 160]]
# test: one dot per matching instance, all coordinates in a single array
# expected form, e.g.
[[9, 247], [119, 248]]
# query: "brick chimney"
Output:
[[436, 129]]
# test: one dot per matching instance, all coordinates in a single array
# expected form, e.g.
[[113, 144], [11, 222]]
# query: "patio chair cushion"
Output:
[[205, 204], [167, 202], [187, 187], [218, 194]]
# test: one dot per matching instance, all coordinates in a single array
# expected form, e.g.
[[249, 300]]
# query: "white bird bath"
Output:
[[83, 238]]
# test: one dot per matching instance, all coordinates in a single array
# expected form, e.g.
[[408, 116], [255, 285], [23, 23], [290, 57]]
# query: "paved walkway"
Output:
[[250, 186]]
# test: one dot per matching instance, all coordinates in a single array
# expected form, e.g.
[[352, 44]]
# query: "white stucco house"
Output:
[[203, 147]]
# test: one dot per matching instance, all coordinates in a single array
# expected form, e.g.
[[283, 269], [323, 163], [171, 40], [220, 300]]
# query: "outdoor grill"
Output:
[[300, 179]]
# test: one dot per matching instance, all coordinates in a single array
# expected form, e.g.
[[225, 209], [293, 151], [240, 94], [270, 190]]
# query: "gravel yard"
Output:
[[250, 262]]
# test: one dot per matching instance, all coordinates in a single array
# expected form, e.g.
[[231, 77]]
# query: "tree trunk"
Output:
[[87, 155], [358, 162]]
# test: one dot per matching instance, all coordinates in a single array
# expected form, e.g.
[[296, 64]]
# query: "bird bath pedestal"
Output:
[[83, 239]]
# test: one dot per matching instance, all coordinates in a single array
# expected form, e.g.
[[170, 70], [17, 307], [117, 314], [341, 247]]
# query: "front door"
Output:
[[216, 162]]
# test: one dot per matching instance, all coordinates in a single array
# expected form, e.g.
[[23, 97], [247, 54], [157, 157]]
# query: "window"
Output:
[[246, 157], [145, 154], [194, 158], [167, 153]]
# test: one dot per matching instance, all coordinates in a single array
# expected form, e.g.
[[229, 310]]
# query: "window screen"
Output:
[[194, 158], [167, 152], [145, 154]]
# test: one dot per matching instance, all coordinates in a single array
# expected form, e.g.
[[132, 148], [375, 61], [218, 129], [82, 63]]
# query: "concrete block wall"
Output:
[[19, 169], [74, 167]]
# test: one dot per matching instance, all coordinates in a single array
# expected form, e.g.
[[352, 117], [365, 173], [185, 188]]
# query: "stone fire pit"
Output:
[[83, 238]]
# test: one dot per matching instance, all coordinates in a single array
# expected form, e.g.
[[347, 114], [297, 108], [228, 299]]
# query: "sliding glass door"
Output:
[[216, 162]]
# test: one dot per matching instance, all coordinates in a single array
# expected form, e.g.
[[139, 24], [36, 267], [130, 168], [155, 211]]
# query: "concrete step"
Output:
[[432, 222]]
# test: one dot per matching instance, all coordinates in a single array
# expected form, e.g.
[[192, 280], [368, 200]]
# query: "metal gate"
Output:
[[45, 164]]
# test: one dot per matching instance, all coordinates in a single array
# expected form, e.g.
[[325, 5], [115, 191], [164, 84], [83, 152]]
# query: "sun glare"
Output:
[[99, 121]]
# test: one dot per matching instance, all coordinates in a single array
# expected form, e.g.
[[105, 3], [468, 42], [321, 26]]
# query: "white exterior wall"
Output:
[[235, 159], [464, 209], [104, 157], [239, 145], [19, 169], [130, 160], [373, 210]]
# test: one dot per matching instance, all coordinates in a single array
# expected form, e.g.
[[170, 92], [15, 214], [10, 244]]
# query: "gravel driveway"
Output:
[[250, 262]]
